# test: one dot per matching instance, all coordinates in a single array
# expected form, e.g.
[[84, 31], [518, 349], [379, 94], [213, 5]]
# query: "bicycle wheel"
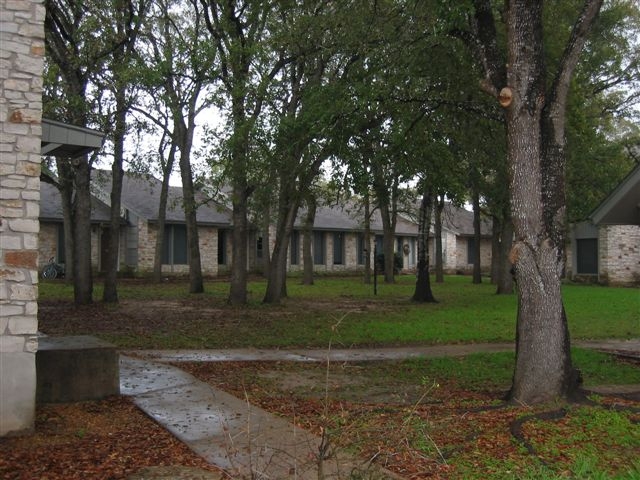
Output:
[[49, 272]]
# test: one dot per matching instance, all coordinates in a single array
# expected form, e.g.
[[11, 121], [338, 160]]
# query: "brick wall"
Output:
[[619, 254], [208, 241], [47, 243], [462, 264], [21, 60]]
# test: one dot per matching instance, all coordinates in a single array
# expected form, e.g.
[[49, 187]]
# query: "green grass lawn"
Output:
[[345, 312], [592, 442]]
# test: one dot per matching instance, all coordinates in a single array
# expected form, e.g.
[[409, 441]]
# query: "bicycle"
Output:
[[52, 270]]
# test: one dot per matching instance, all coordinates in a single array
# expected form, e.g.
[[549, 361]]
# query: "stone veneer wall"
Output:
[[619, 254], [208, 241], [47, 243], [21, 63], [462, 264]]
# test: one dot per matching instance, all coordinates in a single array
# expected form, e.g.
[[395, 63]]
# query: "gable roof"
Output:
[[622, 206], [141, 195]]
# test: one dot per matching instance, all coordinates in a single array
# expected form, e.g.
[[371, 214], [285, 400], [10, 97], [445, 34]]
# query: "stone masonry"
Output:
[[619, 254], [21, 63]]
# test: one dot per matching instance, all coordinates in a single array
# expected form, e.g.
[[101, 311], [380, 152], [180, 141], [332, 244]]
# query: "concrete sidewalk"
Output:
[[249, 442], [244, 440], [630, 347]]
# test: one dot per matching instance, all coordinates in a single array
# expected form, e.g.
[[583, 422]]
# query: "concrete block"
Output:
[[76, 368], [17, 392]]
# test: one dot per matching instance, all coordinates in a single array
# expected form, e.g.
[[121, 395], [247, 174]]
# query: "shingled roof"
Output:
[[350, 217], [141, 195], [460, 221], [51, 206]]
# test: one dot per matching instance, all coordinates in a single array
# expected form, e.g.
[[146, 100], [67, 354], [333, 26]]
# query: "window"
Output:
[[259, 247], [318, 248], [361, 250], [294, 251], [338, 248], [379, 245], [471, 250], [222, 247], [174, 251], [587, 256]]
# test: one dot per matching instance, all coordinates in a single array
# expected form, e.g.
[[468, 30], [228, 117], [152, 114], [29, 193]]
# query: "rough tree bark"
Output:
[[110, 291], [62, 35], [196, 283], [307, 257], [386, 197], [366, 241], [162, 212], [277, 274], [437, 233], [535, 118], [477, 238], [423, 291], [82, 270], [65, 187], [504, 280], [495, 249]]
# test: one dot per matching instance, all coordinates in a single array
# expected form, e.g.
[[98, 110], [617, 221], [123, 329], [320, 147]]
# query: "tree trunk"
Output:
[[437, 233], [504, 281], [386, 196], [110, 292], [277, 275], [543, 363], [238, 287], [496, 228], [535, 138], [196, 284], [423, 291], [65, 187], [239, 180], [388, 231], [366, 241], [535, 130], [307, 257], [184, 129], [82, 272], [162, 214], [477, 269], [266, 242]]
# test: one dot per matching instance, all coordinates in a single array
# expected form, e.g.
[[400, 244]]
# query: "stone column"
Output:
[[21, 64]]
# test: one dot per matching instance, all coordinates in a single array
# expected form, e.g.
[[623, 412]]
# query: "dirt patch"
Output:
[[431, 430], [348, 386], [109, 439]]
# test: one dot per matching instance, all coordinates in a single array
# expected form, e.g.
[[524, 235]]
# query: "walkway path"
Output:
[[632, 347], [246, 440], [243, 439]]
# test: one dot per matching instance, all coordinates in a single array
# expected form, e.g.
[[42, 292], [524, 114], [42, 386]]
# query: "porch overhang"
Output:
[[64, 140]]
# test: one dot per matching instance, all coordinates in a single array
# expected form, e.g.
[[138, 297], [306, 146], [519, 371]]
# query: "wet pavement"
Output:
[[244, 440], [249, 442], [630, 347]]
